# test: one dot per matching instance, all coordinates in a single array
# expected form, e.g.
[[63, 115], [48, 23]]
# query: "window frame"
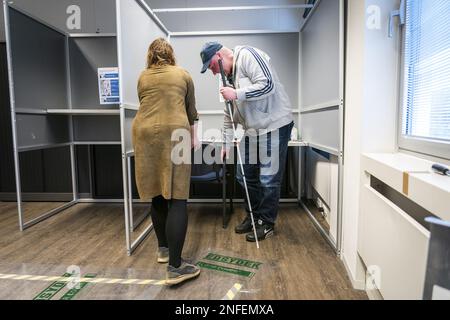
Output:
[[429, 147]]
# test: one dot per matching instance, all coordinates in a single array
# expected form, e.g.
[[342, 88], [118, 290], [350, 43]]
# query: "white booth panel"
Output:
[[322, 129], [282, 48], [320, 56], [136, 30]]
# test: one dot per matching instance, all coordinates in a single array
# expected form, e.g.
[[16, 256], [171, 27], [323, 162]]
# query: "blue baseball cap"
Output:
[[208, 52]]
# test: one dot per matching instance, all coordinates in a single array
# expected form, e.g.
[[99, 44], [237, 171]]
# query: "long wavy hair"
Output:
[[160, 53]]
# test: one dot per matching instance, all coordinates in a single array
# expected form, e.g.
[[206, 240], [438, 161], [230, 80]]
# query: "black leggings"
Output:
[[170, 222]]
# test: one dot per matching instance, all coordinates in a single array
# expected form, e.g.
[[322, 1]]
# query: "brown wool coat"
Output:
[[167, 102]]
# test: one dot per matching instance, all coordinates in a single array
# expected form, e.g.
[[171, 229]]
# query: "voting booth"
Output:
[[55, 96], [80, 89], [309, 61]]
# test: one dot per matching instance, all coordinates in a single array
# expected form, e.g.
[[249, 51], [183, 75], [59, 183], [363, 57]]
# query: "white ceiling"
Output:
[[271, 19]]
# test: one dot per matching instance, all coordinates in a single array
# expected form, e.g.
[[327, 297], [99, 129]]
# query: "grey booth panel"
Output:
[[39, 63], [87, 54], [47, 170], [96, 128], [283, 49], [322, 128], [320, 56], [36, 130], [7, 183]]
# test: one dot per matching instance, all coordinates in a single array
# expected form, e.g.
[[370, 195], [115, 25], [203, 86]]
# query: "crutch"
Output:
[[230, 110]]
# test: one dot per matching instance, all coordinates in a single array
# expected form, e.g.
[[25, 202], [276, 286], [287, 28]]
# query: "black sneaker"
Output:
[[184, 272], [245, 226], [263, 231]]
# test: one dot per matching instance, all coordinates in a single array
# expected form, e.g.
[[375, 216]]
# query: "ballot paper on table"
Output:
[[108, 85]]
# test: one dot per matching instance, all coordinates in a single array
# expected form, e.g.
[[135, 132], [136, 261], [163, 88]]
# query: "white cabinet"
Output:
[[394, 245]]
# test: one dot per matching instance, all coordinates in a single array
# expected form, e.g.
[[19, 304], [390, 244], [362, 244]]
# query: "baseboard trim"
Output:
[[374, 294], [66, 197], [37, 197], [357, 284]]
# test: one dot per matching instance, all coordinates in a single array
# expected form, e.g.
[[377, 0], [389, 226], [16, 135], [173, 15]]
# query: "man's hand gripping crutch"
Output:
[[240, 163]]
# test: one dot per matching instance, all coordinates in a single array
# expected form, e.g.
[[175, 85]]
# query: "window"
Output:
[[425, 113]]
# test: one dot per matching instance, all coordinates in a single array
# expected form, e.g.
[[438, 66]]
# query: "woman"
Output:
[[167, 103]]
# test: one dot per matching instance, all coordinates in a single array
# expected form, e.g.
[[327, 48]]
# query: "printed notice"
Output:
[[108, 85]]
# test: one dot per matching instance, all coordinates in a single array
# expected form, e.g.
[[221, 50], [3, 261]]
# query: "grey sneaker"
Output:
[[163, 255], [184, 272]]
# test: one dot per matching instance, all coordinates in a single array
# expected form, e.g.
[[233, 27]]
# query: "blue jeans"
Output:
[[264, 161]]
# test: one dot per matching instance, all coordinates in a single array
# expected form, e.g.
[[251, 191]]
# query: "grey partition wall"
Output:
[[39, 73], [97, 129], [39, 63], [36, 131], [281, 47], [137, 27], [322, 91], [54, 93]]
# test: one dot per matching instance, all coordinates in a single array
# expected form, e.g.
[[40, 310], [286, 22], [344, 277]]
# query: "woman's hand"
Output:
[[195, 143]]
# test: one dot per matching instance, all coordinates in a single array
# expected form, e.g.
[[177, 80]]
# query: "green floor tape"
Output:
[[238, 272], [234, 261], [52, 289], [69, 295]]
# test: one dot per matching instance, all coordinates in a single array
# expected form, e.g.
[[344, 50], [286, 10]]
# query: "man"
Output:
[[261, 105]]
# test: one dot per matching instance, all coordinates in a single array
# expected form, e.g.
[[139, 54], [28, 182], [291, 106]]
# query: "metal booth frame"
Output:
[[69, 112], [128, 201]]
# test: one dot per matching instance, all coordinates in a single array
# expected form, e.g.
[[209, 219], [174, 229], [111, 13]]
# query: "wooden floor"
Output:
[[297, 263]]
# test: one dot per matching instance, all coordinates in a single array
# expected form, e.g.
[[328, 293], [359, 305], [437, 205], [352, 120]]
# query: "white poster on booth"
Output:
[[108, 85]]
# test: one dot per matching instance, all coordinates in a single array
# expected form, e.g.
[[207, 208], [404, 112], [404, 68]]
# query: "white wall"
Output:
[[381, 79], [354, 100], [371, 109], [96, 15]]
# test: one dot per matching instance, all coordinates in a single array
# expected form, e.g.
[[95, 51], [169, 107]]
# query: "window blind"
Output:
[[426, 112]]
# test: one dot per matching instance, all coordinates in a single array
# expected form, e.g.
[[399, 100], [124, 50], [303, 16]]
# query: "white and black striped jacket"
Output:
[[262, 101]]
